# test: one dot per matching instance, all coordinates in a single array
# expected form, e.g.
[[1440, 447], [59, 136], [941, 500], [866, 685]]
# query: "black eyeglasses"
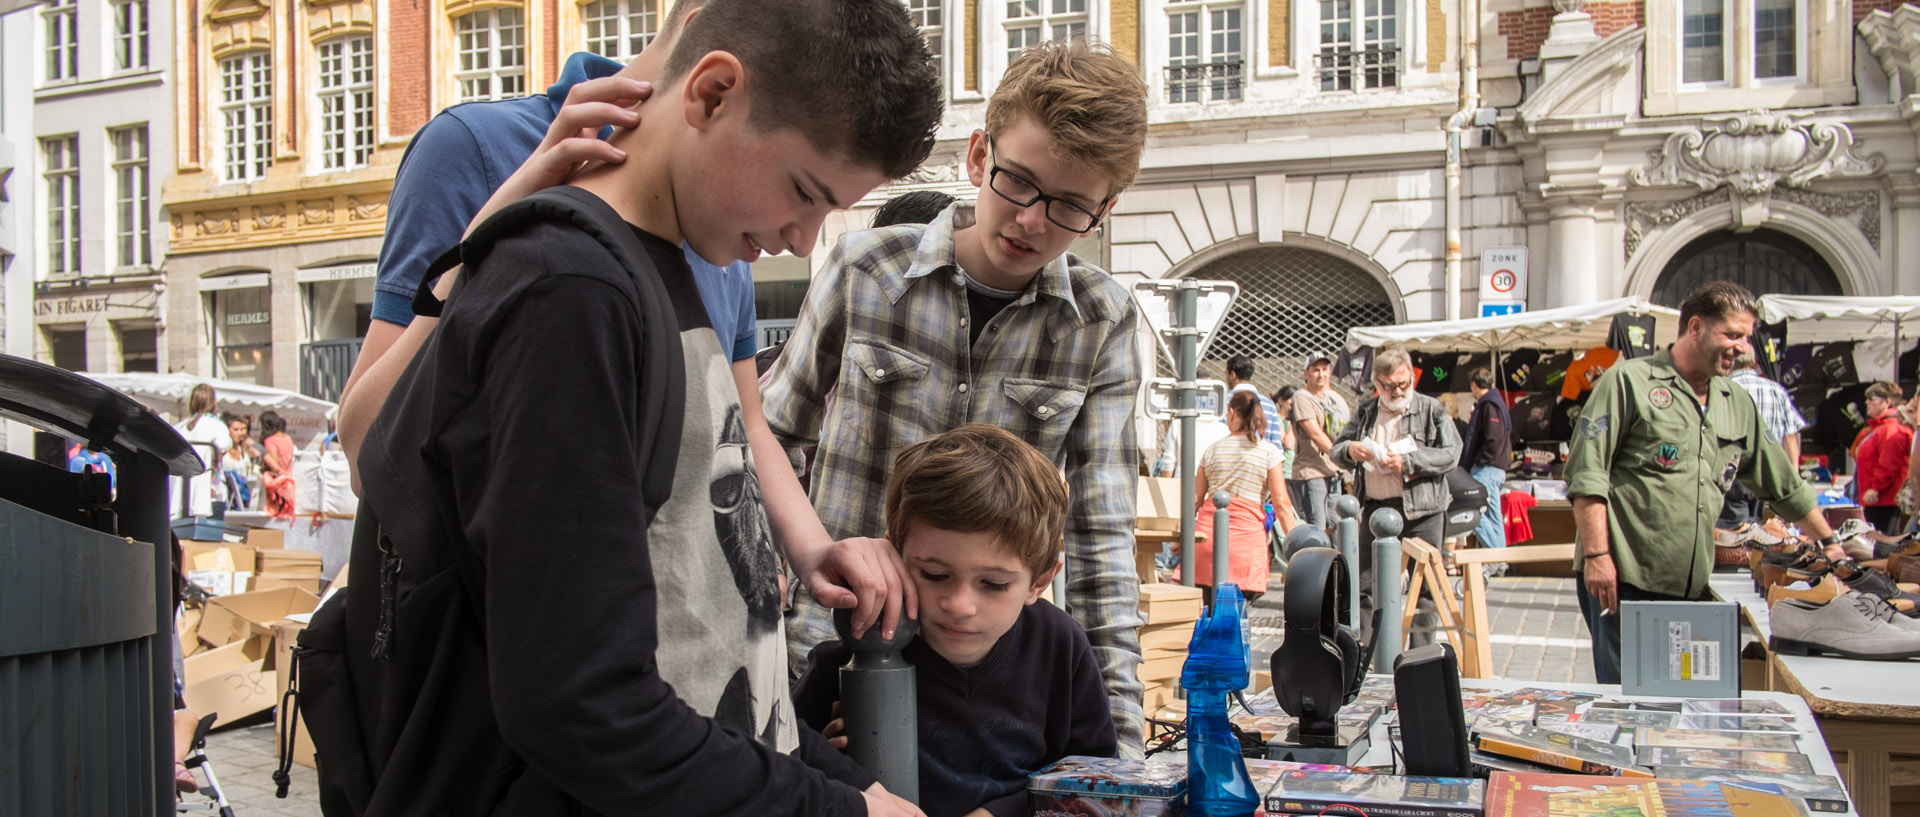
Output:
[[1022, 193]]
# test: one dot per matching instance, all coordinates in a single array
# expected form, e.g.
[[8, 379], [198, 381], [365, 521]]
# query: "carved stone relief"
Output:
[[267, 217], [317, 211], [941, 170], [219, 222], [359, 209], [1861, 208], [1755, 151], [1645, 217]]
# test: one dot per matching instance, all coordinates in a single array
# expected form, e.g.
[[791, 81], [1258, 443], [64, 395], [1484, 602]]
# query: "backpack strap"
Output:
[[664, 380]]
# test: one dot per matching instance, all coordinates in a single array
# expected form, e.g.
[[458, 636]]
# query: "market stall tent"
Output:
[[1581, 326], [1835, 318], [167, 394]]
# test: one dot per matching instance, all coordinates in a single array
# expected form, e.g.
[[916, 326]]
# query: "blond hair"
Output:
[[1089, 100], [980, 478]]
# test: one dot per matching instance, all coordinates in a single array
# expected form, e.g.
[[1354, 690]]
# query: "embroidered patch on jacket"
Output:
[[1660, 397], [1591, 427], [1668, 454]]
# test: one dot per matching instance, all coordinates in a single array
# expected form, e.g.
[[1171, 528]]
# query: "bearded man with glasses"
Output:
[[1403, 443]]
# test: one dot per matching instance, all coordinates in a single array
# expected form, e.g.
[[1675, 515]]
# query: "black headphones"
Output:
[[1320, 665]]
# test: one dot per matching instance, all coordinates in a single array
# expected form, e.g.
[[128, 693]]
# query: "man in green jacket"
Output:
[[1658, 445]]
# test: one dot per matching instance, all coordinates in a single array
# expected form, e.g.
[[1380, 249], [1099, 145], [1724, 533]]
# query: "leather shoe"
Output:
[[1848, 626]]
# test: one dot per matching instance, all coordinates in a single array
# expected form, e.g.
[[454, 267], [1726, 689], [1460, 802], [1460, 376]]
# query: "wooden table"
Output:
[[1476, 648], [1867, 710]]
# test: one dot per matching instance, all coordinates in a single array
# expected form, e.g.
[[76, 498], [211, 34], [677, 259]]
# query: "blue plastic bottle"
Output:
[[1217, 781]]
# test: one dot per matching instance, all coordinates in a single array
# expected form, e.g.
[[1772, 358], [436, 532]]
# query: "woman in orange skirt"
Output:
[[1252, 472]]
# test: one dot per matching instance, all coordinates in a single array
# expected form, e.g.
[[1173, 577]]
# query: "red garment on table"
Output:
[[1883, 459], [1514, 506]]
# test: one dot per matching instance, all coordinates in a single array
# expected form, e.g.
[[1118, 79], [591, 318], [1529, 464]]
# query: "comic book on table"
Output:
[[1821, 793], [1709, 739], [1573, 753], [1731, 760], [1302, 791], [1569, 795]]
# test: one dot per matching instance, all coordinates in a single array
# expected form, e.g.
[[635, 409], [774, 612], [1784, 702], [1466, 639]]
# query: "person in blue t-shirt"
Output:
[[447, 181]]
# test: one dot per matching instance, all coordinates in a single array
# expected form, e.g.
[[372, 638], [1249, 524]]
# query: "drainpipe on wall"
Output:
[[1469, 14]]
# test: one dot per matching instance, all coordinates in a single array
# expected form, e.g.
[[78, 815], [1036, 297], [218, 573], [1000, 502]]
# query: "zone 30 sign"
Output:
[[1503, 275]]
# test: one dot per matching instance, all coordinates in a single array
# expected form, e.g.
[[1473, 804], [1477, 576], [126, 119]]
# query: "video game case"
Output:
[[1300, 791], [1709, 739], [1631, 718], [1738, 723], [1560, 795], [1822, 794], [1725, 759], [1736, 706], [1559, 750], [1591, 731], [1485, 764]]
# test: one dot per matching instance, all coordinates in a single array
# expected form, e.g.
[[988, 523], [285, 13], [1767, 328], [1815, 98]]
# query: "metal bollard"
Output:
[[1220, 570], [1347, 507], [879, 702], [1387, 524]]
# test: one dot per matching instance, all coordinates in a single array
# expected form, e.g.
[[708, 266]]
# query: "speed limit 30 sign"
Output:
[[1503, 275]]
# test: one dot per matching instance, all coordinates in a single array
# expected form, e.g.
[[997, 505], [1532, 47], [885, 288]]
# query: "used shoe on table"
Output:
[[1874, 583], [1849, 626]]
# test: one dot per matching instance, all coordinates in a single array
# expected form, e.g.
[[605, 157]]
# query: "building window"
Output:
[[67, 347], [243, 335], [493, 54], [1359, 44], [139, 346], [620, 29], [63, 40], [62, 154], [1703, 46], [346, 102], [1031, 21], [246, 106], [927, 14], [1776, 39], [132, 196], [129, 34], [1206, 58]]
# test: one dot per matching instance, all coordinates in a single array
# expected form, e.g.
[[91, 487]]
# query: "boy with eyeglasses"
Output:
[[983, 317]]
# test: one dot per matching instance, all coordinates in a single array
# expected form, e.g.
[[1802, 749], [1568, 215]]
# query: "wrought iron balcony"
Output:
[[1206, 81], [1352, 69]]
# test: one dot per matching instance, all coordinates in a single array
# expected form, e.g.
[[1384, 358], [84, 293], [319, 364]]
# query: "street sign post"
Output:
[[1187, 313]]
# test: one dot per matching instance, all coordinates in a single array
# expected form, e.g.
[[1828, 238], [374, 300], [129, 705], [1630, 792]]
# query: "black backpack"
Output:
[[412, 623]]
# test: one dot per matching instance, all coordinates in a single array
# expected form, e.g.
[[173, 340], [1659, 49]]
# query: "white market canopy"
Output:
[[1582, 326], [1833, 318], [167, 394]]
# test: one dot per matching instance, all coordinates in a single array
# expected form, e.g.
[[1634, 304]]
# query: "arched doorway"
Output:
[[1764, 261], [1294, 304]]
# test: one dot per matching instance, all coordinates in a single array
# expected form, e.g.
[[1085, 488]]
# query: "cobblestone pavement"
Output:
[[1538, 636]]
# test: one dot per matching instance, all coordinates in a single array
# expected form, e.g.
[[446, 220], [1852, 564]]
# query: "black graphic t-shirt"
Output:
[[1517, 367], [1632, 335]]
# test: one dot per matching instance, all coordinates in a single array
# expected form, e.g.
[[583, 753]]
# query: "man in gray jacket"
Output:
[[1403, 444]]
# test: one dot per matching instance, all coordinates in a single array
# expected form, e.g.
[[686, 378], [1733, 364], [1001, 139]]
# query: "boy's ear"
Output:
[[977, 158], [716, 84], [1042, 581]]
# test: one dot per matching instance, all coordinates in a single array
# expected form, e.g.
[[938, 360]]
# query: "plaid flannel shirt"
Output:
[[884, 332], [1777, 413]]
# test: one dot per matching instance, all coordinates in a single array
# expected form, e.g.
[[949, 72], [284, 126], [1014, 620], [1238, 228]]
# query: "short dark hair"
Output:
[[1480, 377], [1284, 395], [917, 207], [271, 423], [1717, 301], [851, 76], [1885, 391], [1240, 366]]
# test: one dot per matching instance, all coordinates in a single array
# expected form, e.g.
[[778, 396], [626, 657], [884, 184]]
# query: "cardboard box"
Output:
[[1169, 603], [1143, 553], [269, 581], [1162, 669], [1158, 637], [233, 618], [1157, 503], [282, 560], [231, 681], [267, 538], [217, 556], [1262, 679], [187, 627], [285, 634]]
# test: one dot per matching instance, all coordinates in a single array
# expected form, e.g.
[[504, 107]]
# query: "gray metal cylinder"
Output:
[[1186, 399], [1220, 522], [1387, 524], [1347, 507], [879, 705]]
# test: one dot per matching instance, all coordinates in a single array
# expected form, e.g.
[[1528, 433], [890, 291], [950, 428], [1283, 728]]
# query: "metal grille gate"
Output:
[[1294, 304]]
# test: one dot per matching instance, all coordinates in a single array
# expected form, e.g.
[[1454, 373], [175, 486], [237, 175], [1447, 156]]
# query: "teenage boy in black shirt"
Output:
[[628, 665]]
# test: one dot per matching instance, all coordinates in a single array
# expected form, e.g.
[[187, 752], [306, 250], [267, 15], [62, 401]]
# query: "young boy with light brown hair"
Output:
[[1007, 683], [982, 316]]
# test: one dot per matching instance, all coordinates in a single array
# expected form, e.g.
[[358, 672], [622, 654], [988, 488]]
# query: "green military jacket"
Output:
[[1663, 464]]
